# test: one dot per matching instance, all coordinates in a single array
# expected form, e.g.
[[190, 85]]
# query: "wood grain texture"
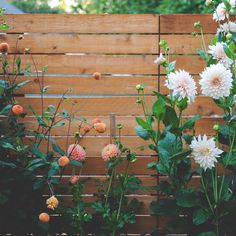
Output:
[[87, 23], [183, 23], [88, 64], [79, 43], [118, 105], [185, 44], [204, 125], [88, 85]]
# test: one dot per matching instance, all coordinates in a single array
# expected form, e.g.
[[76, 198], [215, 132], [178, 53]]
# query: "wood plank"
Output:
[[88, 85], [193, 64], [94, 146], [90, 186], [183, 23], [66, 201], [204, 125], [88, 64], [76, 43], [185, 44], [118, 105], [83, 23], [144, 224]]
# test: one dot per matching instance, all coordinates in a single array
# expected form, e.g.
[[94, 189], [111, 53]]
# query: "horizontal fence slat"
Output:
[[78, 43], [91, 185], [87, 23], [118, 105], [94, 146], [204, 125], [88, 85], [185, 44], [88, 64], [184, 23]]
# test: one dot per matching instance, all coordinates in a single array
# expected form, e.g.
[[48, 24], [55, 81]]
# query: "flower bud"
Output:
[[20, 37], [229, 36], [208, 2], [160, 60], [120, 126], [163, 43], [197, 25], [216, 127], [139, 87], [139, 101], [77, 135]]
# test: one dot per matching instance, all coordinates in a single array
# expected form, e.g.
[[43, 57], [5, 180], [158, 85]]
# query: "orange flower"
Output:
[[17, 110], [100, 127], [97, 75], [87, 128], [52, 203], [63, 161], [44, 217], [74, 179], [110, 151], [4, 48], [96, 120]]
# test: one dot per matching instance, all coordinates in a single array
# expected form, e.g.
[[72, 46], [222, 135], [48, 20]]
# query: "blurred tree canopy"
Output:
[[114, 6]]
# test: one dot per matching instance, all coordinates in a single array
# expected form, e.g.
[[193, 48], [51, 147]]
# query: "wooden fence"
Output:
[[122, 48]]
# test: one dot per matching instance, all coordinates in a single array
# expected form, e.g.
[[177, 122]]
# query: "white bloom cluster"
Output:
[[227, 27], [205, 152], [220, 13], [216, 81], [217, 51], [182, 84]]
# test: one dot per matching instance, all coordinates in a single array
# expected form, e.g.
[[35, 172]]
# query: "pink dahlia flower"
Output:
[[110, 151], [76, 152]]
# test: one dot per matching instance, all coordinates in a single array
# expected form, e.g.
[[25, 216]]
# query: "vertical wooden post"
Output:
[[112, 126]]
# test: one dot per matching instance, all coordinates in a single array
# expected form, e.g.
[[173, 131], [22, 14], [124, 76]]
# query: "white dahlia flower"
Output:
[[182, 85], [227, 27], [205, 152], [220, 13], [217, 51], [216, 81], [232, 3], [208, 2], [160, 60]]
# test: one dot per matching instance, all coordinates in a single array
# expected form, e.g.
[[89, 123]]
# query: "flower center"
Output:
[[205, 151], [215, 81]]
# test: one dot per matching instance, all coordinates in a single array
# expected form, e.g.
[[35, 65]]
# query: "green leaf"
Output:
[[4, 26], [181, 155], [37, 152], [6, 109], [169, 146], [142, 133], [203, 54], [3, 199], [164, 207], [200, 216], [189, 124], [39, 118], [76, 163], [171, 118], [159, 108], [229, 53], [171, 67], [142, 123], [19, 85], [60, 124], [58, 149], [186, 198], [210, 233], [36, 163]]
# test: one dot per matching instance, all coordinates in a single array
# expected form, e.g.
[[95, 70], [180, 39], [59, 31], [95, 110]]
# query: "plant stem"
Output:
[[206, 194], [109, 186]]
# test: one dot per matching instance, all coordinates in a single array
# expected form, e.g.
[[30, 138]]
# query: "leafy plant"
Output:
[[113, 209]]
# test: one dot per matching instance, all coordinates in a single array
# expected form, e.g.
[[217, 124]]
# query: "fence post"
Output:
[[112, 126]]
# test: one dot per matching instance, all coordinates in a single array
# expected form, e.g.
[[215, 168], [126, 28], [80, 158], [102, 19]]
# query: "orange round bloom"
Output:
[[44, 217], [63, 161], [110, 151], [97, 75], [17, 110], [100, 127], [4, 48], [96, 120], [87, 128], [52, 203], [74, 179]]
